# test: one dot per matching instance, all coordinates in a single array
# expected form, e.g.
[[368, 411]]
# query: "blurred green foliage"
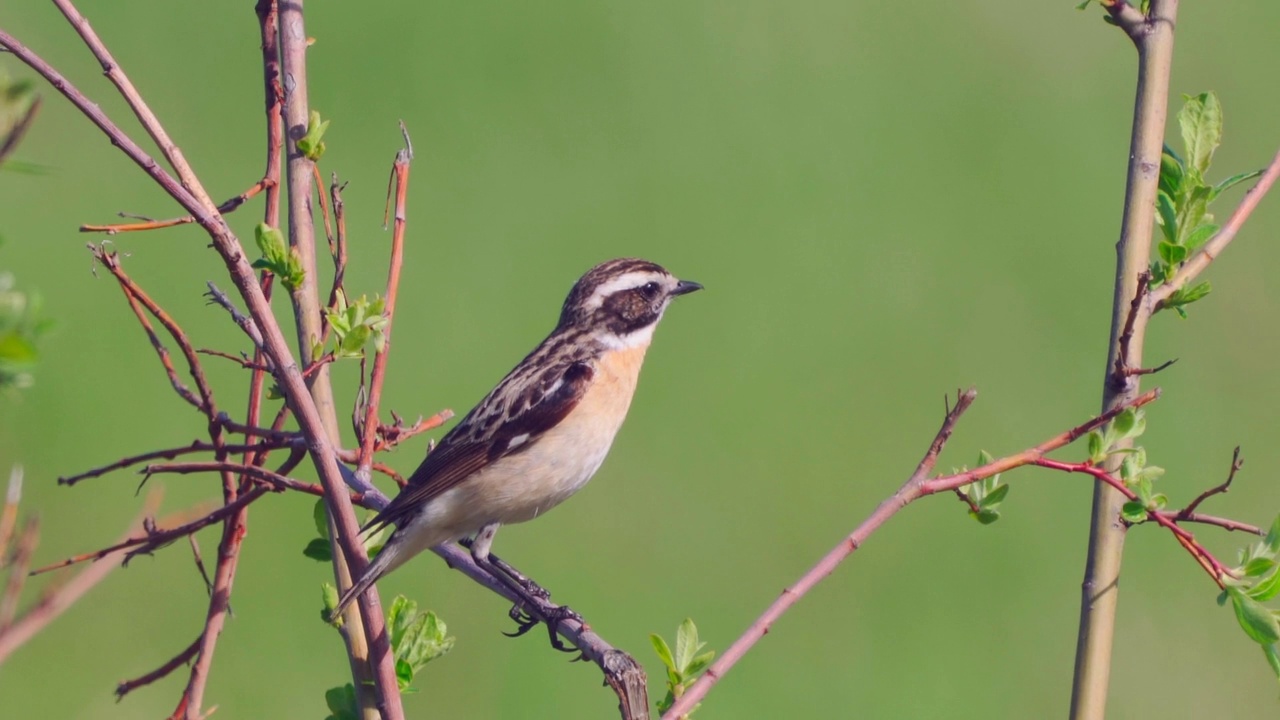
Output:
[[885, 201]]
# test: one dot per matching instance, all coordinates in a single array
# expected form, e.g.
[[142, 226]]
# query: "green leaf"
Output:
[[1193, 213], [700, 664], [318, 549], [1232, 182], [1273, 658], [278, 257], [1168, 216], [1186, 296], [1170, 174], [663, 650], [687, 644], [329, 600], [1171, 254], [399, 616], [342, 703], [1201, 123], [1254, 617], [1258, 566], [1272, 541], [311, 144], [1097, 451], [1266, 589], [985, 516], [996, 497], [1124, 423], [1200, 235], [1134, 512], [320, 515], [416, 639]]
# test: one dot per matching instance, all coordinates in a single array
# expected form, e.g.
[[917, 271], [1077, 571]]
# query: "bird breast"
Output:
[[531, 481]]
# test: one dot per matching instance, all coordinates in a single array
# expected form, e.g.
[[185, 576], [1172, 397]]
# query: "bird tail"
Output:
[[383, 563]]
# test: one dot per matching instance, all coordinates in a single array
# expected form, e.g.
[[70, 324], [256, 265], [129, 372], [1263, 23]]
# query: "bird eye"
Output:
[[650, 289]]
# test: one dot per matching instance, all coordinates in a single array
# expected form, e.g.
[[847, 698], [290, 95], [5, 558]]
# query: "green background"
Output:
[[885, 201]]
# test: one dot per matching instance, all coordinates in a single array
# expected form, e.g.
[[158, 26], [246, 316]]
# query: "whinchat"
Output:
[[541, 434]]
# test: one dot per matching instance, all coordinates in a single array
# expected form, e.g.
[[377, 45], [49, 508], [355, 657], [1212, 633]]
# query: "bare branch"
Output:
[[1237, 462]]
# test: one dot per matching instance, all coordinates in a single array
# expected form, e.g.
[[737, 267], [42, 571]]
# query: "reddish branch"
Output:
[[917, 486], [400, 180], [1236, 463]]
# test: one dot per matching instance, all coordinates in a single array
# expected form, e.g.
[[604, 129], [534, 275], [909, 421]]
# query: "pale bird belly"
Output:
[[556, 465]]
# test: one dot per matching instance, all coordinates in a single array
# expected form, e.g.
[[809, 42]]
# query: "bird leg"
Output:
[[535, 601]]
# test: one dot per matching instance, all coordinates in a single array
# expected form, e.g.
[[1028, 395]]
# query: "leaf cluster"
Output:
[[1136, 474], [985, 495], [684, 665], [416, 639], [1254, 582], [357, 323], [311, 145], [1184, 196], [277, 257]]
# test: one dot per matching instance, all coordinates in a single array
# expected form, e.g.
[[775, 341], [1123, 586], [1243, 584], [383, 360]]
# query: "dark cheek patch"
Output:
[[627, 311]]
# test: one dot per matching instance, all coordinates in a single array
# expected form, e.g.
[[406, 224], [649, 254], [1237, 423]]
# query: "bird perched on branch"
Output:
[[541, 434]]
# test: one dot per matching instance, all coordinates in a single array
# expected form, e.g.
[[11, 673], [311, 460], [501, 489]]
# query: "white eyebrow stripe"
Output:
[[633, 279]]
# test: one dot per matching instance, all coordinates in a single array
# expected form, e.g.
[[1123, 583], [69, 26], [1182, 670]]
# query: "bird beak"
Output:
[[684, 287]]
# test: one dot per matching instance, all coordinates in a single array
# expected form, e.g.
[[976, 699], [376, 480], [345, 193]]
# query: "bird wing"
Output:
[[511, 426]]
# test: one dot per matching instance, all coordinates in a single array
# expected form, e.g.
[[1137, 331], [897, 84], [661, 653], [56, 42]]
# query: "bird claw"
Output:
[[553, 615]]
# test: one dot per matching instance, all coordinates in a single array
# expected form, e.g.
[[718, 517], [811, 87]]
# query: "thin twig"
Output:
[[155, 538], [250, 328], [400, 179], [247, 283], [226, 207], [1237, 462], [116, 74], [127, 686], [917, 486], [196, 446]]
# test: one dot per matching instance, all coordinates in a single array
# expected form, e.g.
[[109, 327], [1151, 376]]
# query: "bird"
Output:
[[540, 434]]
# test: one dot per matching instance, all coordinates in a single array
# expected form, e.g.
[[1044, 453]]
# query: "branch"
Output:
[[917, 486], [910, 491], [1216, 244], [225, 207], [127, 686], [400, 179], [155, 538], [1127, 18], [1236, 463], [196, 446], [1153, 37]]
